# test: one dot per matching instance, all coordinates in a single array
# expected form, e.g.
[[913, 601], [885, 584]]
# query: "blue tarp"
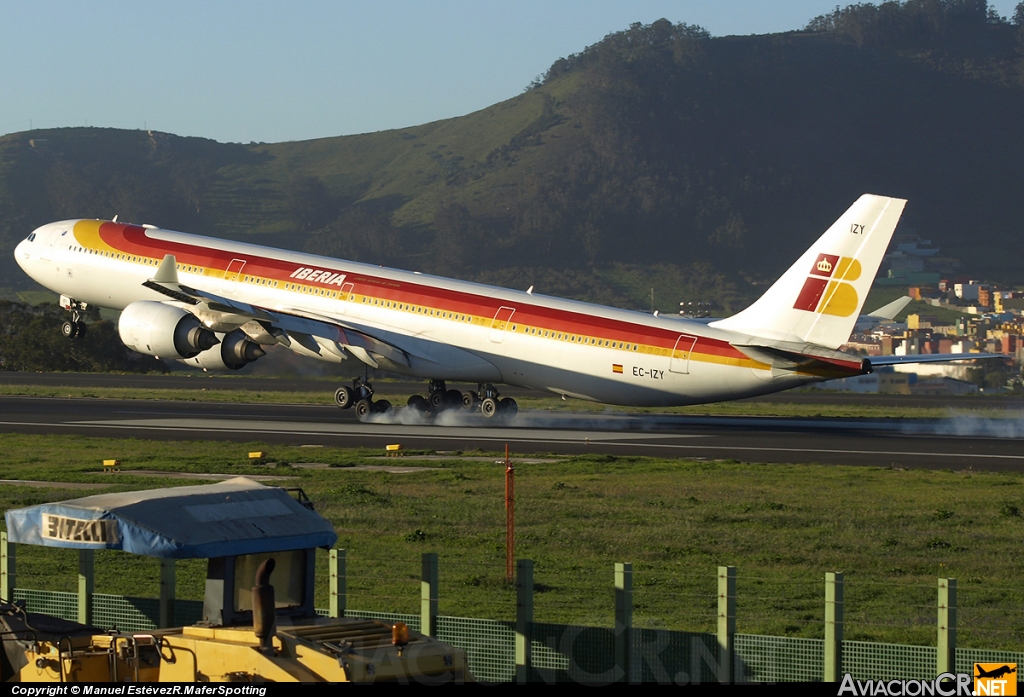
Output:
[[238, 516]]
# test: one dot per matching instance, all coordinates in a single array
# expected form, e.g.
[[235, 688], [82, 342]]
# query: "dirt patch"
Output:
[[53, 485], [205, 475]]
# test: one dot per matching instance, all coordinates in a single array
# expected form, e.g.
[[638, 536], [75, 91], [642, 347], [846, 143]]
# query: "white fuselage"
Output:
[[452, 329]]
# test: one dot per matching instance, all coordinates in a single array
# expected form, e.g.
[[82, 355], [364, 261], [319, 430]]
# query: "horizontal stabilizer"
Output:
[[879, 361], [786, 357]]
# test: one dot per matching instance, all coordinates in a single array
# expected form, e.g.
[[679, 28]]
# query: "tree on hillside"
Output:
[[917, 22], [70, 190], [364, 232], [459, 243], [30, 339], [310, 202], [192, 179]]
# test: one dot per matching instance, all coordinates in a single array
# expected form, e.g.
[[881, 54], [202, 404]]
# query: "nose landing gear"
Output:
[[75, 327]]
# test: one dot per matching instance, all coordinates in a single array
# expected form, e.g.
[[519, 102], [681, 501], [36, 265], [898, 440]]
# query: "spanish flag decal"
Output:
[[616, 367]]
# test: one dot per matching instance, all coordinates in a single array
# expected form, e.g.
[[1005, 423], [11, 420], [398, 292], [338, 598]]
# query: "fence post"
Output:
[[428, 595], [7, 567], [167, 590], [833, 626], [339, 583], [726, 621], [623, 619], [945, 655], [524, 619], [86, 584]]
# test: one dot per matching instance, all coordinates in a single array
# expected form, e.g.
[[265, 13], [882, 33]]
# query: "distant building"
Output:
[[943, 385], [968, 291], [880, 382], [921, 321], [984, 296]]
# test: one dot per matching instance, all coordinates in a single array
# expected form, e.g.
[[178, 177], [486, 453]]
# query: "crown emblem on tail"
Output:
[[825, 266]]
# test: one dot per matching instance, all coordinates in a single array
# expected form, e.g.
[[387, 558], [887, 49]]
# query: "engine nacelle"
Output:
[[234, 351], [162, 330]]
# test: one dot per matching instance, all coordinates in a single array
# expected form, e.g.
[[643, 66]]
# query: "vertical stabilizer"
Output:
[[819, 298]]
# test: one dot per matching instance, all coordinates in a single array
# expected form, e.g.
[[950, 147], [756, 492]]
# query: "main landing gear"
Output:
[[360, 397], [75, 327], [485, 400], [438, 399]]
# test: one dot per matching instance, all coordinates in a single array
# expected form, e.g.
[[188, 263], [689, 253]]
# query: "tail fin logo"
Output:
[[826, 290]]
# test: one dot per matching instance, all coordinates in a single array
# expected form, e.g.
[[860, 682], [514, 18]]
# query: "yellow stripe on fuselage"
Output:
[[87, 233]]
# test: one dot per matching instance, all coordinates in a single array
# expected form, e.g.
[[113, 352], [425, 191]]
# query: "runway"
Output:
[[958, 444]]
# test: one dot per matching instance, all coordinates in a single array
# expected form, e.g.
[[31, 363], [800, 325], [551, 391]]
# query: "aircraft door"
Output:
[[231, 275], [346, 295], [501, 320], [680, 362]]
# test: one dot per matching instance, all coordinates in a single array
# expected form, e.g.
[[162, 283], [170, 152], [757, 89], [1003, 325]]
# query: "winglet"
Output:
[[167, 272]]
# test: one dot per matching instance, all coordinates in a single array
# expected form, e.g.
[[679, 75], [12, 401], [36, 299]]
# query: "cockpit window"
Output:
[[32, 237]]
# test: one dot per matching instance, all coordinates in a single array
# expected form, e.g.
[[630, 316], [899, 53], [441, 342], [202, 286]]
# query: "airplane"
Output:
[[215, 304], [995, 672], [883, 315]]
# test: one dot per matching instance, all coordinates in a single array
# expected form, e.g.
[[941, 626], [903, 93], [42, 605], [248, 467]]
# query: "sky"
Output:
[[271, 71]]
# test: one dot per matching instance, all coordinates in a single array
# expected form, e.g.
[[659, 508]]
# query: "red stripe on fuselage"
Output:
[[131, 239]]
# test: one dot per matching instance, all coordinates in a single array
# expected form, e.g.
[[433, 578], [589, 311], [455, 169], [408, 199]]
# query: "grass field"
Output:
[[893, 532]]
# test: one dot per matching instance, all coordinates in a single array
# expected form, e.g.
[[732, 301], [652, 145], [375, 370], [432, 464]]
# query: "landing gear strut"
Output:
[[75, 327], [492, 404]]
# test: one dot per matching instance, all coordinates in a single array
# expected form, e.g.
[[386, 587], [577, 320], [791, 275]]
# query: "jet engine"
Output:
[[163, 330], [234, 351]]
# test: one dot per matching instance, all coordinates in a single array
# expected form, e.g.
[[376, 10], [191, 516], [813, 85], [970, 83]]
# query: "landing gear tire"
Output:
[[452, 399], [364, 408], [508, 407], [436, 400], [69, 329], [344, 397], [382, 406], [418, 404], [80, 330], [489, 407], [470, 400]]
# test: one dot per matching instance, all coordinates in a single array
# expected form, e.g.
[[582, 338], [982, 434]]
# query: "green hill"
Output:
[[659, 157]]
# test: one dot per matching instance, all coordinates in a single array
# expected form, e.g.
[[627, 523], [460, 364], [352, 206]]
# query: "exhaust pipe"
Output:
[[263, 607]]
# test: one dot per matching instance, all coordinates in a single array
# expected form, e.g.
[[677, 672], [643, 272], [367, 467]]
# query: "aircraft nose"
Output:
[[24, 250], [21, 253]]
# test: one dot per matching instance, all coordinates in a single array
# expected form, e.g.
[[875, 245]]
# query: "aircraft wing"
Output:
[[889, 312], [312, 332]]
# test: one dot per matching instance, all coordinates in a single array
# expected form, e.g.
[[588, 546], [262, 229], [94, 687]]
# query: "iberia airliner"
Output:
[[214, 304]]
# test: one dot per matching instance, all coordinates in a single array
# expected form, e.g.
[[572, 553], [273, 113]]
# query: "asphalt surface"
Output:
[[961, 443]]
